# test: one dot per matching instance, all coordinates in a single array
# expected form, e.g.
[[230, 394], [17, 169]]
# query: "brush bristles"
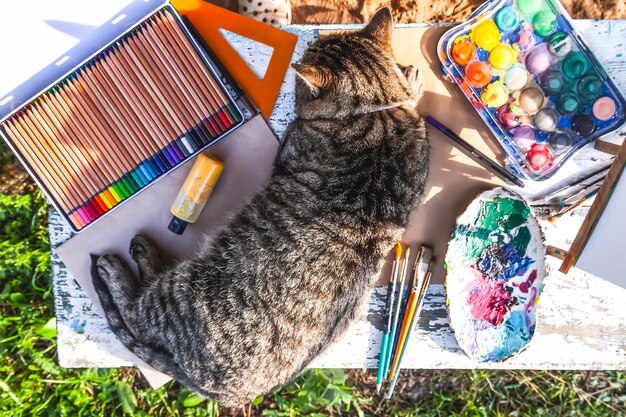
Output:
[[398, 250]]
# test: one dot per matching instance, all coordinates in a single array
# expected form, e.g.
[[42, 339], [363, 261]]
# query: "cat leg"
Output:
[[120, 282], [143, 251], [416, 82], [114, 285]]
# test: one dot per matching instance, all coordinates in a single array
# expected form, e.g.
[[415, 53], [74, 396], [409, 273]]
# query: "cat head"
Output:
[[351, 73]]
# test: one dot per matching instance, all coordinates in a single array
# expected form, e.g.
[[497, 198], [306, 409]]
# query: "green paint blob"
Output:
[[589, 87], [575, 65], [521, 240], [544, 23], [568, 103], [561, 43], [473, 241], [502, 213], [495, 219], [528, 6]]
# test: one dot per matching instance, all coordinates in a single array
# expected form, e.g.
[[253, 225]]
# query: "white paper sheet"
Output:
[[605, 251]]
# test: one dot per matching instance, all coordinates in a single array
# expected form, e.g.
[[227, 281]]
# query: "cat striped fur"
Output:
[[292, 270]]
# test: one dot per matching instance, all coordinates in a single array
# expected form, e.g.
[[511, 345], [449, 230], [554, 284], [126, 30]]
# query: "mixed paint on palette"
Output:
[[495, 268]]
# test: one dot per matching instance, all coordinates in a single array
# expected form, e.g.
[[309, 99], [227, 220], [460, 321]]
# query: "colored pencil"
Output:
[[56, 151], [481, 157], [43, 170], [55, 120], [109, 163], [26, 128], [52, 128], [141, 107], [170, 51], [115, 132], [225, 111], [153, 120], [387, 317], [185, 94], [142, 139], [423, 286], [222, 69]]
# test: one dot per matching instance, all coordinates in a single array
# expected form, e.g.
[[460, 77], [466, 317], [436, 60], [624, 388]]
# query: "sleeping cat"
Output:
[[292, 270]]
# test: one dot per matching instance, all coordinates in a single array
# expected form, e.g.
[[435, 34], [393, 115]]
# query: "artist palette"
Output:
[[495, 266], [532, 78]]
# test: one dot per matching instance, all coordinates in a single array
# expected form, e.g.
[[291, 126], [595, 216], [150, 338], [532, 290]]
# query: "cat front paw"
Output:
[[109, 267], [416, 81], [143, 251], [116, 275]]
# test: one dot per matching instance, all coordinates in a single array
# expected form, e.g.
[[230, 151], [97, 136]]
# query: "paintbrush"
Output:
[[420, 301], [391, 291], [398, 310], [578, 203], [585, 181], [573, 197], [420, 268], [566, 200]]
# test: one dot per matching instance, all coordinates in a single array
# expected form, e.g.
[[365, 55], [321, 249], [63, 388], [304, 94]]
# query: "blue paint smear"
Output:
[[516, 335], [78, 325], [68, 308], [502, 262]]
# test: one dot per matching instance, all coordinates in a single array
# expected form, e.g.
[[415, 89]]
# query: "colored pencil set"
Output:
[[140, 108], [401, 313]]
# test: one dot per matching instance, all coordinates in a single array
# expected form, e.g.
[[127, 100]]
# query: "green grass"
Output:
[[32, 384], [511, 394]]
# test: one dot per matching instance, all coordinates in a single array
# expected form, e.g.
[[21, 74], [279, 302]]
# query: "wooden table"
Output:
[[582, 319]]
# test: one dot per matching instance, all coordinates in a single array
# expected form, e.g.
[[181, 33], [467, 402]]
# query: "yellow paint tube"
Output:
[[195, 192]]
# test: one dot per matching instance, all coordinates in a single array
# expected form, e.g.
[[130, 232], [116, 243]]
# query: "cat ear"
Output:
[[316, 77], [380, 26]]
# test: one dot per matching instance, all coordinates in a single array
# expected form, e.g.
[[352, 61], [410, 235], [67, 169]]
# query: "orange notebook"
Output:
[[208, 19]]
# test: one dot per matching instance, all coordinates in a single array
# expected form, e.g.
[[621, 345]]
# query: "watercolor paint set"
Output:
[[141, 99], [532, 78]]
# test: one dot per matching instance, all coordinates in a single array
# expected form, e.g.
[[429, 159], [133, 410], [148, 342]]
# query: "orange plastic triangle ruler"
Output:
[[208, 19]]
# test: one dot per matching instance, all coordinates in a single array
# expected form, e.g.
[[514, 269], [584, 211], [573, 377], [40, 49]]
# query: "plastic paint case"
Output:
[[559, 65]]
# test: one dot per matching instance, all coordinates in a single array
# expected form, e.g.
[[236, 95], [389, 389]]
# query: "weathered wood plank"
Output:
[[581, 325], [581, 317]]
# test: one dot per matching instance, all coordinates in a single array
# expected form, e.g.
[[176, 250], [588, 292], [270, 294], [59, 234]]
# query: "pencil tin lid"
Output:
[[43, 40], [532, 78]]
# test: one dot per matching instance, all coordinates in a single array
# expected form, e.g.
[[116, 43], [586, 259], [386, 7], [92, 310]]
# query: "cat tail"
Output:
[[153, 356]]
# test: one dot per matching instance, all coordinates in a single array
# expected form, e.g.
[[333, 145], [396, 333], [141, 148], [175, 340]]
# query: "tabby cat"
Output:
[[293, 269]]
